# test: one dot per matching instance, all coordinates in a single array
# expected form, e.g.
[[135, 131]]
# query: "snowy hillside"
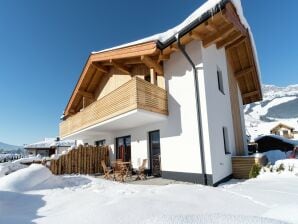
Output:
[[279, 105], [9, 148]]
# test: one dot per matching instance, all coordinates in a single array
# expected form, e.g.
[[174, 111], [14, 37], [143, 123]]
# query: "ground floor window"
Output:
[[100, 142]]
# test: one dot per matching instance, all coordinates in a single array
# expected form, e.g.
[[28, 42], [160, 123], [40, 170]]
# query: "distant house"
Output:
[[275, 142], [48, 147], [283, 130]]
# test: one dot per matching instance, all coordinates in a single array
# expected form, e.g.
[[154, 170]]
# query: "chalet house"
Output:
[[283, 130], [174, 98], [48, 147]]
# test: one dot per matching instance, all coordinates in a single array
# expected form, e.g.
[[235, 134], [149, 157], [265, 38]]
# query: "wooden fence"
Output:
[[84, 160]]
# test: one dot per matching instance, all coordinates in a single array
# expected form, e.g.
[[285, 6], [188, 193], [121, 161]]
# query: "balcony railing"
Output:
[[135, 94]]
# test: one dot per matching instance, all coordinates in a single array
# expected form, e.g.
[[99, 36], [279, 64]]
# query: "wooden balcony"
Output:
[[135, 94]]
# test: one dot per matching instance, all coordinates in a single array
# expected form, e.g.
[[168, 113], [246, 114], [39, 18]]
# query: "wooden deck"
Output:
[[134, 94]]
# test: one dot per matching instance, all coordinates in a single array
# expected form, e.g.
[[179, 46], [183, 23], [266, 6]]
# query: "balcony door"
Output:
[[123, 148], [154, 147]]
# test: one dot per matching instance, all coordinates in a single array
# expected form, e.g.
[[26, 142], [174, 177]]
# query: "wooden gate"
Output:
[[83, 160]]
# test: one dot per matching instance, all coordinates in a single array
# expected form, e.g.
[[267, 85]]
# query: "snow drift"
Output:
[[25, 179]]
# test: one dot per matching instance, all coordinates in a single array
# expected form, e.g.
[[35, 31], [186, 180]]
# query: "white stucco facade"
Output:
[[179, 134]]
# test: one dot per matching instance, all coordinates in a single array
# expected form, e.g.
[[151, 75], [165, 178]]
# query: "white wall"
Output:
[[180, 150], [219, 112]]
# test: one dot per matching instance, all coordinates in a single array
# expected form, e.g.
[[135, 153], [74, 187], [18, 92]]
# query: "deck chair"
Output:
[[141, 171], [107, 170]]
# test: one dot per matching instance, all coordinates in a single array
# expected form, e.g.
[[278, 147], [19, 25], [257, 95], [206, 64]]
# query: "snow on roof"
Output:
[[286, 140], [49, 143], [210, 5], [282, 125], [163, 37]]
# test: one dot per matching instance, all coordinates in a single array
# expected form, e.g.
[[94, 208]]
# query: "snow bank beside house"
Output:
[[288, 163], [274, 155], [9, 167], [25, 179]]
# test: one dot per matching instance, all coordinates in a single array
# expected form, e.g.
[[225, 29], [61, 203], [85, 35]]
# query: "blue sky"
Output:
[[45, 44]]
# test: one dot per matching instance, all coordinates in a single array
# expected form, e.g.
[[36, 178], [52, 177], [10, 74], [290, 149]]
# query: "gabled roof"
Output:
[[219, 22], [280, 125], [279, 138]]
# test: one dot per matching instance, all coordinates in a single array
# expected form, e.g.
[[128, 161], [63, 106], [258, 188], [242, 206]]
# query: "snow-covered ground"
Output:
[[34, 195], [12, 166]]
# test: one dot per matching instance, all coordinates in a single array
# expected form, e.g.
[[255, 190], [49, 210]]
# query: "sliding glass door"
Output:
[[123, 148]]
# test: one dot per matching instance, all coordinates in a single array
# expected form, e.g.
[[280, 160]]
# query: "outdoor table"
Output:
[[120, 169]]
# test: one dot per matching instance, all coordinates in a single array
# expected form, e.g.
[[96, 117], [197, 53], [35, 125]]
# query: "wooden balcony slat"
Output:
[[135, 94]]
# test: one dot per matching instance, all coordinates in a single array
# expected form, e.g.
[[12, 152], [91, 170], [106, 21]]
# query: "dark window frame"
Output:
[[220, 81], [101, 142], [226, 140]]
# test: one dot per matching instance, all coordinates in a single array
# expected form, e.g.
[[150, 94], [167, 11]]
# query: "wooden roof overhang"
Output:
[[100, 63], [224, 29]]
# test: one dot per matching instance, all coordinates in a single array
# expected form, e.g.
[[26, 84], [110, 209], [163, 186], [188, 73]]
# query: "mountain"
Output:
[[279, 105], [9, 148]]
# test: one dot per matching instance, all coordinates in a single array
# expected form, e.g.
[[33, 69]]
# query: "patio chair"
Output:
[[107, 170], [141, 171]]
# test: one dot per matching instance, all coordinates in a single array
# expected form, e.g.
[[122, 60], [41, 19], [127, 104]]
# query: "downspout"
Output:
[[198, 106]]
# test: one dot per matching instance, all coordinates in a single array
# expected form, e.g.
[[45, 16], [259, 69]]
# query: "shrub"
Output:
[[280, 168], [291, 168], [271, 169], [254, 171]]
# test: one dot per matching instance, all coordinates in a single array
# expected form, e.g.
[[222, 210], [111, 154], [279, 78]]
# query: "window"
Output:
[[285, 132], [220, 81], [226, 140], [100, 142]]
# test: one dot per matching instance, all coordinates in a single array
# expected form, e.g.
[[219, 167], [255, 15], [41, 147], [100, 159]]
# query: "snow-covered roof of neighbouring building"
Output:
[[283, 139], [281, 125], [50, 143]]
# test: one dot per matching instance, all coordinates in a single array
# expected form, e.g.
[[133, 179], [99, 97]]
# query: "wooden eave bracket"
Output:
[[220, 34], [150, 63], [196, 35], [120, 67], [100, 67], [86, 94]]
